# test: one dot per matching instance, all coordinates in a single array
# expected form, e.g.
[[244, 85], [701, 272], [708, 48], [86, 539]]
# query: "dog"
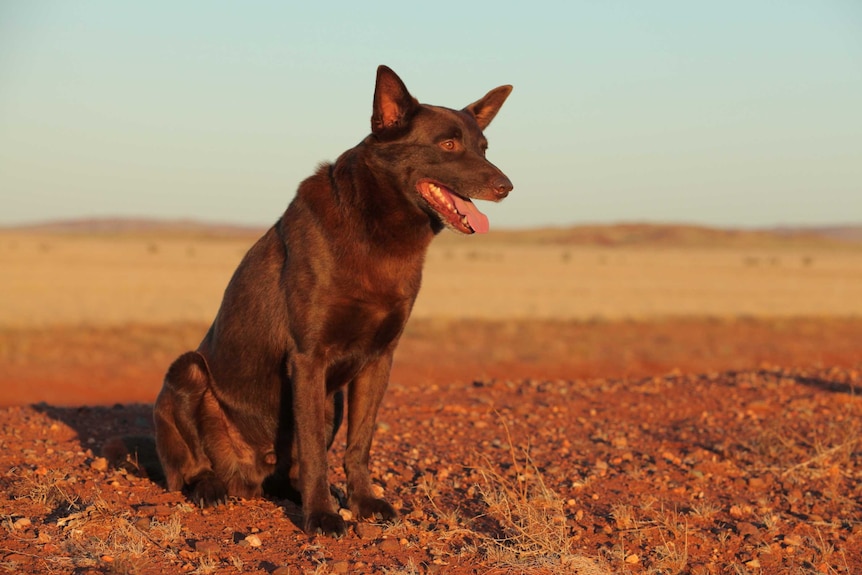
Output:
[[315, 309]]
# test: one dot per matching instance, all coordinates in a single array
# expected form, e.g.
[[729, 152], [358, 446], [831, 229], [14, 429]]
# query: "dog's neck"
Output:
[[391, 218]]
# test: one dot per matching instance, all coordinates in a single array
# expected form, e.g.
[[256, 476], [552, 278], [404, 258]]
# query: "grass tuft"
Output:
[[532, 532]]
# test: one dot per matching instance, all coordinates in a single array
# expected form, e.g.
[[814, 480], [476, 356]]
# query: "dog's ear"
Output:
[[485, 109], [392, 101]]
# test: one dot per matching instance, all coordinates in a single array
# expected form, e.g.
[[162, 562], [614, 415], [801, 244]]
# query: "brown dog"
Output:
[[318, 305]]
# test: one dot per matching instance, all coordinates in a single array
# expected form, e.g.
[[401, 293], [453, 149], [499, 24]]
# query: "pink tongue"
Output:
[[478, 221]]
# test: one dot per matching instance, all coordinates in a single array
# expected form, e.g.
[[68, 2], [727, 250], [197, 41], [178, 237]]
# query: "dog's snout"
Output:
[[502, 186]]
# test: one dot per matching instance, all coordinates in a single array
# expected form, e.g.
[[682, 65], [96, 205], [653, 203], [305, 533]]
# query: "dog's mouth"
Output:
[[456, 212]]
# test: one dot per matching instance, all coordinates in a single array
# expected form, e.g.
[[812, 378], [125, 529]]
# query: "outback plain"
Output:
[[600, 399]]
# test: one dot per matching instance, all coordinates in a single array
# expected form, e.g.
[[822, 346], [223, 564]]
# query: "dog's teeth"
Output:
[[440, 196]]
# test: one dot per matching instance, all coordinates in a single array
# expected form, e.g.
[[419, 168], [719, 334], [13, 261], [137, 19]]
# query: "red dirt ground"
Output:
[[674, 446]]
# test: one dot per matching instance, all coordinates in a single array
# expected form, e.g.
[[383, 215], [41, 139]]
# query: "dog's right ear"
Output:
[[392, 102]]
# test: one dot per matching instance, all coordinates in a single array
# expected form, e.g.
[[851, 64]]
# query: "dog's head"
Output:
[[436, 154]]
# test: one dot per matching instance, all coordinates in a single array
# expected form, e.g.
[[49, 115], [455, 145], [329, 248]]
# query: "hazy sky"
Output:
[[726, 113]]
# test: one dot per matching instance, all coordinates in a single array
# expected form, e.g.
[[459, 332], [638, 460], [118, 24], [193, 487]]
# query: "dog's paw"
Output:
[[326, 523], [209, 491], [372, 508]]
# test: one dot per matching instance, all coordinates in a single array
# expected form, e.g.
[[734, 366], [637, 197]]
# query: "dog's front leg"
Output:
[[364, 396], [309, 413]]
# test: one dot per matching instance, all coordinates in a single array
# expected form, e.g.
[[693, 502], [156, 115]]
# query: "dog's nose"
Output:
[[502, 186]]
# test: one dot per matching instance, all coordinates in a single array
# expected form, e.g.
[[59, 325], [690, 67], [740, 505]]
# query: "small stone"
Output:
[[346, 514], [207, 547], [99, 464], [377, 491], [21, 524], [754, 564], [756, 483], [339, 566], [793, 540], [368, 530], [389, 545], [253, 541], [632, 559], [143, 523], [746, 529], [283, 570]]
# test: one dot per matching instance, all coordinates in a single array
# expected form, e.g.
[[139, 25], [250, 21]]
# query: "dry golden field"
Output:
[[115, 279]]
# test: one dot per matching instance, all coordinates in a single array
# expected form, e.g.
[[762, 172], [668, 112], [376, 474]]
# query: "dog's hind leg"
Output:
[[178, 438]]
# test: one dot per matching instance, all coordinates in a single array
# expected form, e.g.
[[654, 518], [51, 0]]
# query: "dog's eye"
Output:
[[448, 145]]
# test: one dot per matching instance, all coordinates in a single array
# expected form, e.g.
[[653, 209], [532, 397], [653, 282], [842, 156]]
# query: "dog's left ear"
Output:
[[392, 102], [485, 109]]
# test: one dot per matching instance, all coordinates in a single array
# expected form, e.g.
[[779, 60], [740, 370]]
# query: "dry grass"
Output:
[[49, 488], [93, 533], [637, 526], [533, 534], [801, 454]]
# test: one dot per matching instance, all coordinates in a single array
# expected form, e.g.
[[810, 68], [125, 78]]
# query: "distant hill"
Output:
[[140, 226], [610, 235], [681, 235]]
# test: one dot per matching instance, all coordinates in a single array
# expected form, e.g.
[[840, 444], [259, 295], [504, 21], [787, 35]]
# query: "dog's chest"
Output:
[[363, 327]]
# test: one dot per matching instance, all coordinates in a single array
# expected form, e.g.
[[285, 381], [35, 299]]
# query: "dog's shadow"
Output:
[[125, 436], [838, 385]]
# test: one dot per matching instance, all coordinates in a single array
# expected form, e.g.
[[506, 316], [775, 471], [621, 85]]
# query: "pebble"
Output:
[[793, 540], [253, 541], [746, 529], [143, 523], [339, 566], [283, 570], [389, 545], [368, 530], [21, 524], [99, 464], [208, 547]]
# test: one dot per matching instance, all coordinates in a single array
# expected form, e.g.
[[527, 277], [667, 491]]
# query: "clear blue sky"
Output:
[[734, 113]]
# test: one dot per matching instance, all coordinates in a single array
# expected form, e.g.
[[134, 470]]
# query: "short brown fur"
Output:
[[317, 307]]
